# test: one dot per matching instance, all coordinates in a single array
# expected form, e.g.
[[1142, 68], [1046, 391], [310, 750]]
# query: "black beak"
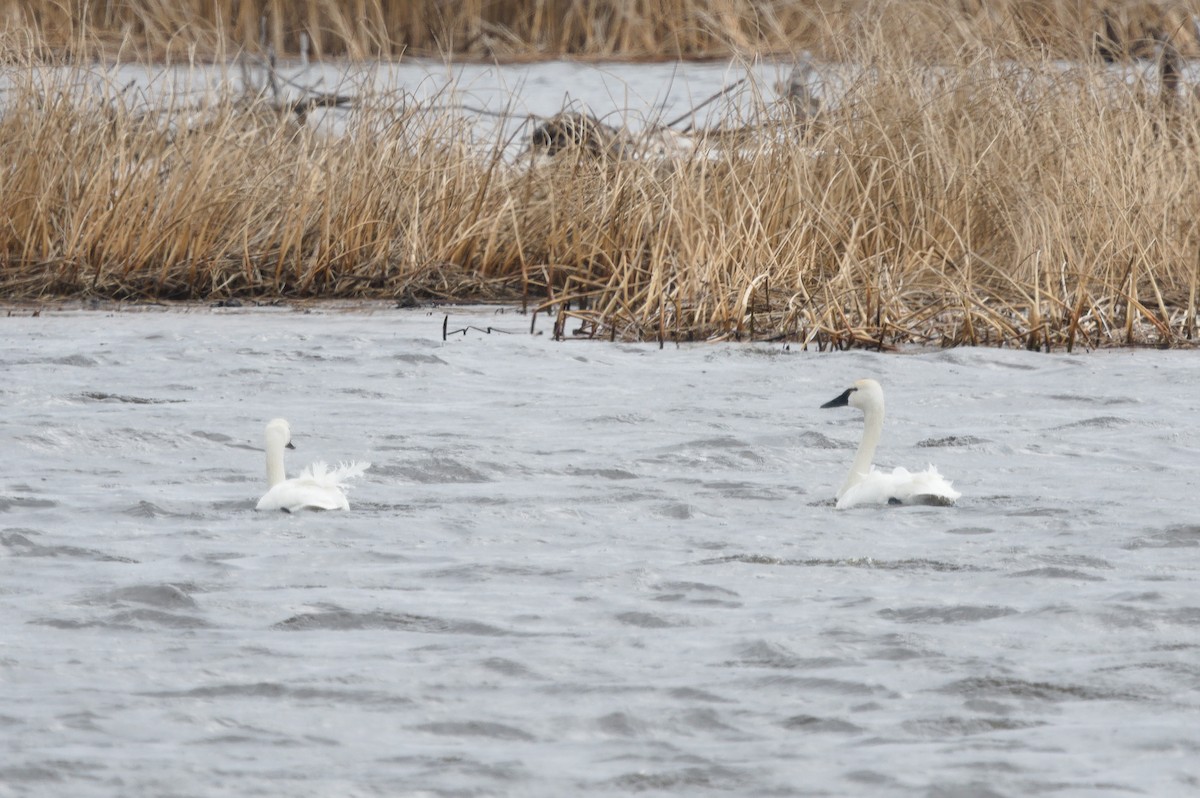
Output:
[[841, 401], [289, 445]]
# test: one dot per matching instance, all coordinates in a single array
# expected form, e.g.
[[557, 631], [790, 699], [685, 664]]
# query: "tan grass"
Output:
[[981, 201], [510, 29]]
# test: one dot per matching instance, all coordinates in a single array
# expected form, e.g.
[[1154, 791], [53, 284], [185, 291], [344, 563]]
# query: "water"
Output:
[[584, 568], [499, 99]]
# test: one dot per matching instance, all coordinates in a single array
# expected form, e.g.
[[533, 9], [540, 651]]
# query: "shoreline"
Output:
[[533, 322], [1038, 205]]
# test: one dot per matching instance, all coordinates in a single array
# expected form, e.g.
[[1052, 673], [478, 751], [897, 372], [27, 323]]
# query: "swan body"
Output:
[[317, 488], [867, 485]]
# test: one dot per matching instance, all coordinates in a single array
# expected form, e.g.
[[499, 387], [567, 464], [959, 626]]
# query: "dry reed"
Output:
[[983, 201], [511, 29]]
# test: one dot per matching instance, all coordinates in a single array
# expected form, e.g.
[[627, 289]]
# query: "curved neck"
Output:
[[275, 472], [872, 428]]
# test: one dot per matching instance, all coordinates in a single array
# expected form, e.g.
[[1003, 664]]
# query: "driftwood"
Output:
[[581, 133], [308, 101]]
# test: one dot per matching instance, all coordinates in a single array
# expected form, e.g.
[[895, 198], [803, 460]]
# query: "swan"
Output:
[[864, 484], [317, 487]]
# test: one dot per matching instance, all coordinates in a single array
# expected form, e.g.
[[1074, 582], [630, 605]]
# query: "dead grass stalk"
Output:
[[983, 201]]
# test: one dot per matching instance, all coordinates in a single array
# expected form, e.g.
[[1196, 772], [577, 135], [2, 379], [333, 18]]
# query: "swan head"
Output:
[[279, 434], [866, 395]]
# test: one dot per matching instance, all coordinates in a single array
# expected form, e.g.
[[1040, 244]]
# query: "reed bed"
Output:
[[983, 201], [523, 29]]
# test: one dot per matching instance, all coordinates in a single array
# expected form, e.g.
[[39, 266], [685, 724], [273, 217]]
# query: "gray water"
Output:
[[504, 100], [621, 94], [585, 568]]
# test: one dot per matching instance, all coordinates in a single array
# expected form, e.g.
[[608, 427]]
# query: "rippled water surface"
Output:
[[585, 568]]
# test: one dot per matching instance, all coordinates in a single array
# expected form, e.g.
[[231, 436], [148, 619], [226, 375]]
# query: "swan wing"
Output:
[[320, 474], [348, 471], [927, 487], [873, 488], [298, 494], [317, 488], [900, 486]]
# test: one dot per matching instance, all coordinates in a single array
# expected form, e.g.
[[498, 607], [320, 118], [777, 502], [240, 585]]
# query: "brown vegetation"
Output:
[[982, 201], [508, 29]]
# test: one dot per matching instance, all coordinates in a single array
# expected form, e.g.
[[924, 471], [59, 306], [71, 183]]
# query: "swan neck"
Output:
[[275, 472], [872, 429]]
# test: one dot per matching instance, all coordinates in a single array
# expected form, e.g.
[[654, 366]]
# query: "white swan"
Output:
[[864, 484], [317, 488]]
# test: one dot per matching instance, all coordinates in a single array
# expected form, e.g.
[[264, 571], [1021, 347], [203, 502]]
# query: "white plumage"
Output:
[[866, 485], [317, 488]]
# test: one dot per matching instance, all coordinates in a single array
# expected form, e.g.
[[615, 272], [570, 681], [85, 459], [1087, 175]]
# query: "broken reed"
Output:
[[521, 29], [982, 202]]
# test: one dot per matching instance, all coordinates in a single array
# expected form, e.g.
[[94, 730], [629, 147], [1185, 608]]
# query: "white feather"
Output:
[[317, 487], [865, 484]]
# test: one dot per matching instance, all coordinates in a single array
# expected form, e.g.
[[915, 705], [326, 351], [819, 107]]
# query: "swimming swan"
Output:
[[865, 485], [317, 488]]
